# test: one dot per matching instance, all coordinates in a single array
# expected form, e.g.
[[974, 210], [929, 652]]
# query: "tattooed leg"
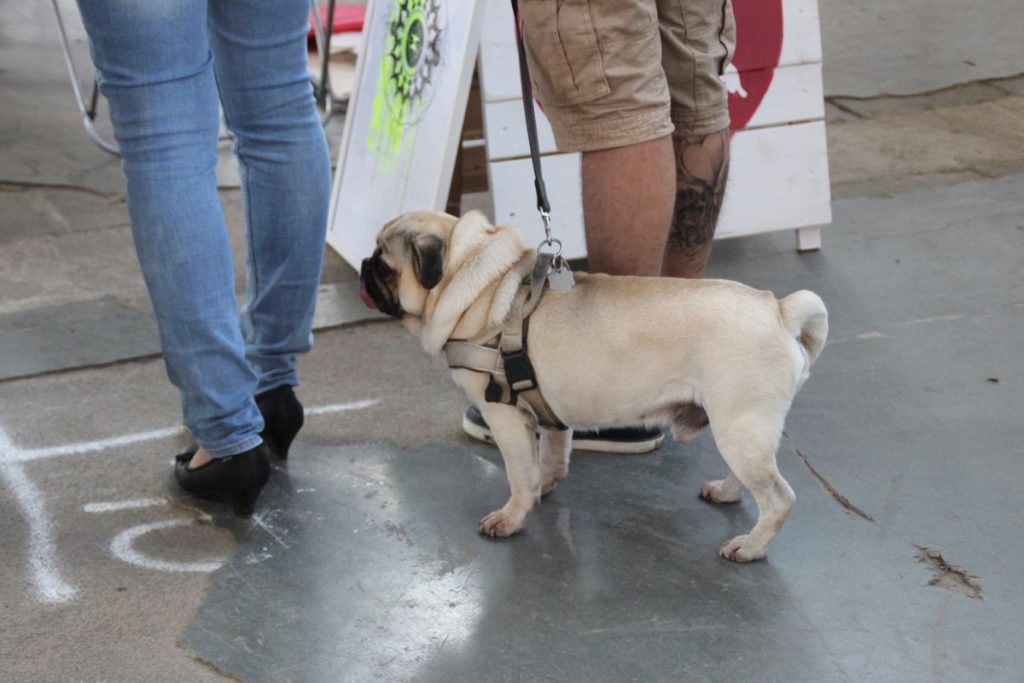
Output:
[[702, 165]]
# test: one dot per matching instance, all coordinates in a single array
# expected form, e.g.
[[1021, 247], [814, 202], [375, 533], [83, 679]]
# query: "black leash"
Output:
[[531, 128], [559, 275]]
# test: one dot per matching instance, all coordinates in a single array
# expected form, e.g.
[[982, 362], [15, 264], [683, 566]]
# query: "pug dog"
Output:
[[610, 351]]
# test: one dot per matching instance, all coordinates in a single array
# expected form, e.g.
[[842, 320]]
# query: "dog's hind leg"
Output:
[[747, 442], [514, 434], [555, 447]]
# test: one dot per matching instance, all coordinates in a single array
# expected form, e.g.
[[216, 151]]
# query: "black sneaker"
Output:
[[613, 440]]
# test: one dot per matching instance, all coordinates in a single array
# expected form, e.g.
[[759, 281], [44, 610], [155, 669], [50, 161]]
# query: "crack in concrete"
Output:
[[141, 358], [21, 186], [843, 501], [945, 575], [846, 110], [994, 81], [207, 664]]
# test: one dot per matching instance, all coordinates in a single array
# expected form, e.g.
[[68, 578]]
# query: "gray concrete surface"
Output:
[[915, 46], [119, 621], [70, 291], [362, 562], [908, 416]]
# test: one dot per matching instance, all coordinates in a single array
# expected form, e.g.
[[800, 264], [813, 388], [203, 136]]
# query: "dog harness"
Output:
[[505, 358]]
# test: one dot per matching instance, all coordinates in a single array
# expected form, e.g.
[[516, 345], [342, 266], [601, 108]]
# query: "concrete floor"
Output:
[[914, 46], [363, 562]]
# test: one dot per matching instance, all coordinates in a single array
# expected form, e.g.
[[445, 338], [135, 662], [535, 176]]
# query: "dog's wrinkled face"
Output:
[[407, 263]]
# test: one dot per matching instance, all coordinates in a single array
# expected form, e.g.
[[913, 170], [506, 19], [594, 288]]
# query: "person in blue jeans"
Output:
[[163, 66]]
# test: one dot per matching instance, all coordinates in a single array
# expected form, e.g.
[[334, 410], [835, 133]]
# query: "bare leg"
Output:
[[514, 434], [555, 447], [628, 195], [702, 165]]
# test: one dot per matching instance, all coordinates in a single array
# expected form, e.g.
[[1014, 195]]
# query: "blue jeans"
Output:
[[161, 65]]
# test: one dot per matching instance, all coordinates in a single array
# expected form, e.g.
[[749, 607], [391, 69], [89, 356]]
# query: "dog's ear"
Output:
[[428, 259]]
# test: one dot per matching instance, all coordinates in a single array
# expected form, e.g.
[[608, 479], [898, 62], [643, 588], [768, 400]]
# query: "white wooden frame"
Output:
[[778, 176]]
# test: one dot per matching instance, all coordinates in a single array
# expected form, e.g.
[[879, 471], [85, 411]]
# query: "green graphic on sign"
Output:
[[410, 58]]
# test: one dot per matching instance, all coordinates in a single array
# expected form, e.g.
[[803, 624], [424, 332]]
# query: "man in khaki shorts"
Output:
[[635, 85]]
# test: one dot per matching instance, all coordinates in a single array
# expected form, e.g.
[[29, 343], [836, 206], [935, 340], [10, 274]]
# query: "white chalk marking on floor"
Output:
[[876, 334], [263, 525], [42, 551], [342, 407], [24, 455], [123, 548], [101, 445], [933, 319], [116, 505]]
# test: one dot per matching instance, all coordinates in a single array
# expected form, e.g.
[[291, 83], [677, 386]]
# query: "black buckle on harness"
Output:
[[518, 369]]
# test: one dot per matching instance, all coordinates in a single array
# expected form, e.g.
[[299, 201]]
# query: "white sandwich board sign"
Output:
[[778, 174], [405, 116], [412, 82]]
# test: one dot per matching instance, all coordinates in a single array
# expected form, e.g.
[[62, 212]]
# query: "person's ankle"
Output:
[[200, 458]]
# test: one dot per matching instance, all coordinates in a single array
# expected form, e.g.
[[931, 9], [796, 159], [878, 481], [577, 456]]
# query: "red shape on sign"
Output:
[[758, 46], [346, 18]]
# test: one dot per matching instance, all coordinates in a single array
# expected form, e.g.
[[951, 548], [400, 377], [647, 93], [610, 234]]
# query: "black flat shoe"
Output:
[[282, 418], [235, 479]]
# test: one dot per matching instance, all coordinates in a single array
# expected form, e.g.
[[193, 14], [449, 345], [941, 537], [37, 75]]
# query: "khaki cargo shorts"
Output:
[[611, 73]]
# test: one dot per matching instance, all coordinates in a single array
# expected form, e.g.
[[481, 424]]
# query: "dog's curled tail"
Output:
[[804, 316]]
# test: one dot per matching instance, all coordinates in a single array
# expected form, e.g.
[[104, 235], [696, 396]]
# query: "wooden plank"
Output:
[[774, 33], [795, 94], [505, 131], [778, 179], [801, 31], [499, 64], [515, 202]]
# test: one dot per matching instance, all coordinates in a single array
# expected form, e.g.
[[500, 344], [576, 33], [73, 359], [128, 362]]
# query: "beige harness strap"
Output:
[[509, 365], [474, 357]]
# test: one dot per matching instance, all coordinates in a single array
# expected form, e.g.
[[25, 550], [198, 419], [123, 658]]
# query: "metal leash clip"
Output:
[[560, 277], [545, 216]]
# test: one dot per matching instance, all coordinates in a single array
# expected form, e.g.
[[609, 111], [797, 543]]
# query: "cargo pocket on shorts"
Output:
[[561, 45]]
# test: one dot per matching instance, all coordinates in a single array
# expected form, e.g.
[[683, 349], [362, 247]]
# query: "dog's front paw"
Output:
[[716, 492], [734, 550], [501, 523]]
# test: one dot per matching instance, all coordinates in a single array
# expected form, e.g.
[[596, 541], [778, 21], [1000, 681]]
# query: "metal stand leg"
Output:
[[324, 94], [88, 112], [325, 98]]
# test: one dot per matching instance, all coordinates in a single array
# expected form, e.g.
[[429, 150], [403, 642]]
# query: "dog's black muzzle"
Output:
[[374, 276]]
